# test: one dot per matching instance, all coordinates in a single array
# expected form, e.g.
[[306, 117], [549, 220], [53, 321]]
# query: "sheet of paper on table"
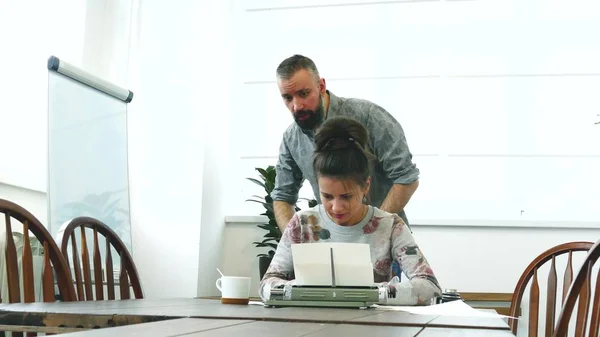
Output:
[[454, 308]]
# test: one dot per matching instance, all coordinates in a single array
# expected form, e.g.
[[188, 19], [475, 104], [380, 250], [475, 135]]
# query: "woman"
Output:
[[342, 166]]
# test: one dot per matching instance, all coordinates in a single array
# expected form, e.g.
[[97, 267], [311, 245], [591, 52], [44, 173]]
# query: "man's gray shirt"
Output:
[[386, 141]]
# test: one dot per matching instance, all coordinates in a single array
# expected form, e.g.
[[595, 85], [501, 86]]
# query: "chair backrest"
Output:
[[581, 288], [128, 274], [530, 273], [54, 263]]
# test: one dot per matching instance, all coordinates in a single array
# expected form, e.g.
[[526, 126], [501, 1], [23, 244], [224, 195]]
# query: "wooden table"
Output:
[[221, 327], [210, 316]]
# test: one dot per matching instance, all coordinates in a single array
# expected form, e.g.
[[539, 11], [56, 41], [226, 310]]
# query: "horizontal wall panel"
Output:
[[517, 46], [523, 116], [490, 38], [551, 9], [501, 188], [564, 189], [538, 116], [512, 37], [283, 5], [354, 41], [475, 189], [450, 188], [414, 103]]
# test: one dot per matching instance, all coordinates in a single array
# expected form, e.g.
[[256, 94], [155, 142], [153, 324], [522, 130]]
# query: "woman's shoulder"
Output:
[[393, 218], [308, 215]]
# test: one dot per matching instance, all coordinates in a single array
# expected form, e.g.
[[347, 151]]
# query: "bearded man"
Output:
[[395, 177]]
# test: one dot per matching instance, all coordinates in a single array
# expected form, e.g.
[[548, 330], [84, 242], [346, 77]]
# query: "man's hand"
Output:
[[283, 213], [398, 197]]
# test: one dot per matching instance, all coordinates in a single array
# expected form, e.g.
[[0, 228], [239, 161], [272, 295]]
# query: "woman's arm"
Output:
[[282, 264], [422, 285]]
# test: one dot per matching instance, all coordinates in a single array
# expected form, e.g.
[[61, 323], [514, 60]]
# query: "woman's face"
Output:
[[342, 199]]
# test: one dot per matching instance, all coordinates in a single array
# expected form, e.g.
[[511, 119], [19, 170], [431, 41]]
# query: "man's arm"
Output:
[[283, 213], [398, 197], [389, 145], [288, 180], [281, 265]]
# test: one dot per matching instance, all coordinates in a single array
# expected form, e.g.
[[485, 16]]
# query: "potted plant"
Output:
[[273, 235]]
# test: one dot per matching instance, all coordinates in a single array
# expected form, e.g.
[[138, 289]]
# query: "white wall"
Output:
[[32, 200], [496, 97], [31, 31], [166, 148], [179, 135]]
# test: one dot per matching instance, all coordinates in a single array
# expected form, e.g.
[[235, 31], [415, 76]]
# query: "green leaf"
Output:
[[272, 174], [261, 244], [268, 242], [269, 186], [259, 183], [263, 172], [265, 227], [267, 206], [272, 235], [257, 200]]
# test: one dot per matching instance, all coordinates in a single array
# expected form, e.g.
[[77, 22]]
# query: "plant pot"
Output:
[[263, 265]]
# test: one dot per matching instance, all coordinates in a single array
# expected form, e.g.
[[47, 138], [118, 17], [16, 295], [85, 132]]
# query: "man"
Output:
[[395, 178]]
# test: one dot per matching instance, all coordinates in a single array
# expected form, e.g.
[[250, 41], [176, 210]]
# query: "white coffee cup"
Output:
[[234, 289]]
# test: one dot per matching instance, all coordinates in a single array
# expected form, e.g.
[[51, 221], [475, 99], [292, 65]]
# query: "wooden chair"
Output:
[[54, 264], [127, 272], [581, 288], [52, 259], [530, 273]]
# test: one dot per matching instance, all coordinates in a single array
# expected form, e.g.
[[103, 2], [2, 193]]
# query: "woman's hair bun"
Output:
[[341, 150], [340, 133]]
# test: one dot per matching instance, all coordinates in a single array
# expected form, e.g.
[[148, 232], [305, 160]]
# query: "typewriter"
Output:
[[333, 294]]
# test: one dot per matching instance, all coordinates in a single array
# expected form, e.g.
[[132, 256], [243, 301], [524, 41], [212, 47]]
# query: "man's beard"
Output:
[[314, 119]]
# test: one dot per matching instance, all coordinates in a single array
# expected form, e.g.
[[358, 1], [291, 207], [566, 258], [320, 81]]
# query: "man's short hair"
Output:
[[288, 67]]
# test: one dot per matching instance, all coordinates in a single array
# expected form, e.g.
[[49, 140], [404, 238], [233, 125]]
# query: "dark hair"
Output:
[[341, 150], [288, 67]]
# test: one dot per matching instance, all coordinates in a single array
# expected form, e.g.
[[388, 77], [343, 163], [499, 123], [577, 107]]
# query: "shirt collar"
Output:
[[334, 105]]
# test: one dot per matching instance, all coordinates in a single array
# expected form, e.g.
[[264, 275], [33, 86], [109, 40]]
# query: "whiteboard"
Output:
[[87, 149]]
